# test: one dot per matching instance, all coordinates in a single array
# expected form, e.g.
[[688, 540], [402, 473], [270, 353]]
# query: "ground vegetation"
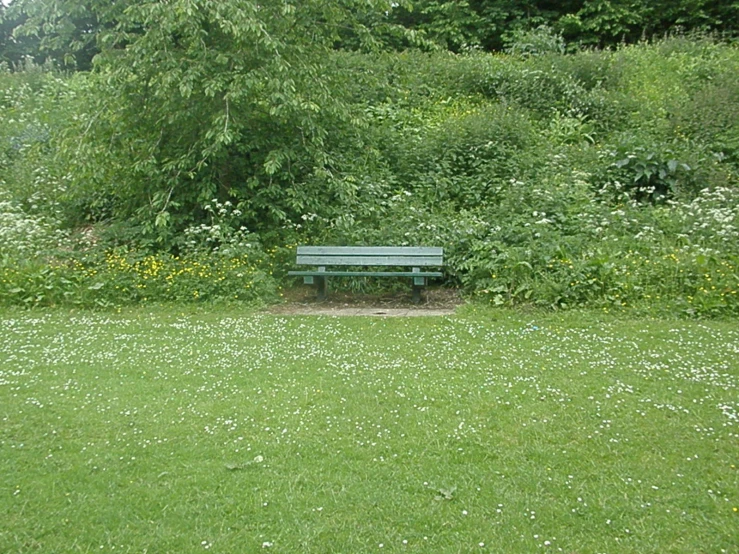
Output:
[[210, 132]]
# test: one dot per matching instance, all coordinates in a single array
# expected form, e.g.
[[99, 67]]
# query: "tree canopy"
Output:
[[71, 32], [491, 24], [205, 98]]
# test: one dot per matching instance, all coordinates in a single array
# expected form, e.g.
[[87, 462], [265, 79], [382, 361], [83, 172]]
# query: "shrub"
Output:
[[35, 105], [122, 277], [535, 42], [24, 236], [466, 156], [720, 129]]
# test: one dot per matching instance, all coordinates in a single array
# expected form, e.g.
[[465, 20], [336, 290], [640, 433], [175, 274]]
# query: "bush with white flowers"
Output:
[[24, 236]]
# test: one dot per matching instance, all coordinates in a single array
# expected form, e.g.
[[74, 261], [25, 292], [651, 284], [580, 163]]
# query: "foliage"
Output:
[[191, 101], [467, 158], [493, 24], [554, 180], [721, 130], [122, 277], [451, 25], [559, 180], [73, 32], [12, 50], [24, 236], [41, 266], [536, 42], [36, 106]]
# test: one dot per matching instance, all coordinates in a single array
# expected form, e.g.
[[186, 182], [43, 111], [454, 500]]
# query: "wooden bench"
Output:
[[326, 258]]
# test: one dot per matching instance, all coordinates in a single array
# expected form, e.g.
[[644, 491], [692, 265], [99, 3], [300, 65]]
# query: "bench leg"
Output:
[[418, 284], [416, 294], [321, 288]]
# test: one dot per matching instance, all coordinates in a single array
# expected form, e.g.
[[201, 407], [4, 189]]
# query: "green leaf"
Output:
[[162, 219]]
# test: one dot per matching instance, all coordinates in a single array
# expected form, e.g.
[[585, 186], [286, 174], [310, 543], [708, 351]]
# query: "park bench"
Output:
[[327, 260]]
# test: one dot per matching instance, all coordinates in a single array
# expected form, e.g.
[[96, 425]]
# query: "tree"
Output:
[[195, 99], [454, 25], [65, 32], [14, 49], [491, 23]]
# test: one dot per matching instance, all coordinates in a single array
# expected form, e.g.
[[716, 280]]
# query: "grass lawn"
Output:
[[157, 431]]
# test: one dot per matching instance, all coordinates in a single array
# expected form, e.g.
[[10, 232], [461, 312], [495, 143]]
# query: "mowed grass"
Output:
[[159, 432]]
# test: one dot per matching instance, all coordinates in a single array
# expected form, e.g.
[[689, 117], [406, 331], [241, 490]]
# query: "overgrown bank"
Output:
[[598, 179]]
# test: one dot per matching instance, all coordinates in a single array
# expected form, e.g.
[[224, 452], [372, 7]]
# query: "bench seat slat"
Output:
[[371, 250], [371, 260], [365, 273]]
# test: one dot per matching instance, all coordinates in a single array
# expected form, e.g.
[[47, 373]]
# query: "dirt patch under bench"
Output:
[[302, 301]]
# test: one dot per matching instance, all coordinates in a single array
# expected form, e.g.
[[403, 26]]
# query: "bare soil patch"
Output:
[[303, 301]]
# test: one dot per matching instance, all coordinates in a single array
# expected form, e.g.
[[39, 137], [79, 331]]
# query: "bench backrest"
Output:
[[415, 256]]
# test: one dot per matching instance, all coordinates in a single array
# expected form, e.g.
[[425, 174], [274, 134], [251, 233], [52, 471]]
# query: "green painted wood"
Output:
[[365, 273], [371, 250], [414, 257], [371, 255], [321, 288], [416, 294], [371, 260]]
